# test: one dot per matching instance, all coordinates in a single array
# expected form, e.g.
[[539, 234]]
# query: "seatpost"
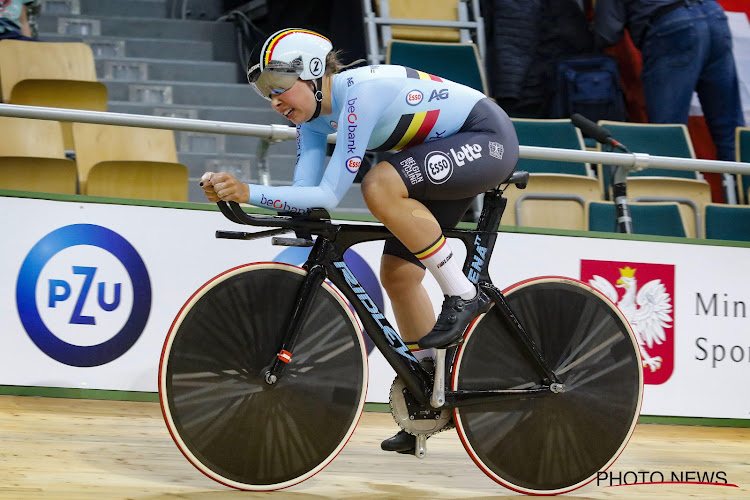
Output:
[[476, 266]]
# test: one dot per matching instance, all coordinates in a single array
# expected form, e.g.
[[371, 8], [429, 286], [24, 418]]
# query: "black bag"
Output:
[[589, 86]]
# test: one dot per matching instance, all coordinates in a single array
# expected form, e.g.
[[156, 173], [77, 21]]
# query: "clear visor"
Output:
[[276, 77]]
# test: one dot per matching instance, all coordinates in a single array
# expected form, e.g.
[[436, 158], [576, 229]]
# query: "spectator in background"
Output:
[[14, 19], [686, 46]]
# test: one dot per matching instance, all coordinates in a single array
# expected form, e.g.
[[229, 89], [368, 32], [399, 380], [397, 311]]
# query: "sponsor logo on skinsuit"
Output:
[[438, 166], [414, 97], [353, 164], [468, 152]]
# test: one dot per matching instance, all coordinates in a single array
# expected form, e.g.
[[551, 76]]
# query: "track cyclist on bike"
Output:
[[452, 143]]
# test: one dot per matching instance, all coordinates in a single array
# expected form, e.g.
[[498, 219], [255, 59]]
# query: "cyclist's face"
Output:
[[297, 104]]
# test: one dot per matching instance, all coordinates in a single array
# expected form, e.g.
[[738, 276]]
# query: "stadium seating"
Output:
[[129, 162], [52, 74], [32, 157], [727, 222], [458, 62], [661, 219], [742, 146], [687, 187]]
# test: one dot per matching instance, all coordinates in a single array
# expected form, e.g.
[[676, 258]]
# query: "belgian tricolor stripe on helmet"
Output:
[[271, 44]]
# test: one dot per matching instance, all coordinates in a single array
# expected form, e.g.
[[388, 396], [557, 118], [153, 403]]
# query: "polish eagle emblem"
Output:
[[647, 310]]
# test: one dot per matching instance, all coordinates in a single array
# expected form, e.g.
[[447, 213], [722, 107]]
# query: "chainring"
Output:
[[413, 417]]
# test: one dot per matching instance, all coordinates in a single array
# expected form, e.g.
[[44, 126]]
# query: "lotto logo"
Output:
[[353, 163], [468, 152], [438, 166], [414, 97]]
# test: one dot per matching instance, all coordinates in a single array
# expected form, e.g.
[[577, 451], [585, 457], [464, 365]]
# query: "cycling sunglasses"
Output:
[[277, 77]]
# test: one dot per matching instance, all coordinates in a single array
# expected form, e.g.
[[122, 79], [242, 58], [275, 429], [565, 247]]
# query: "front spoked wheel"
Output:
[[557, 442], [224, 417]]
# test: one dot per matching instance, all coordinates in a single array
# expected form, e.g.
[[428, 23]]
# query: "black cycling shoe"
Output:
[[402, 442], [456, 315]]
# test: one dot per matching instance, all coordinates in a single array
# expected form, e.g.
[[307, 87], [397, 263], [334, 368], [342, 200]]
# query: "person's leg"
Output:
[[718, 88], [673, 52], [415, 226], [412, 307]]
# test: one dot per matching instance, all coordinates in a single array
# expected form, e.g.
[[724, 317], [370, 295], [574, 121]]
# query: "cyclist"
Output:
[[452, 144]]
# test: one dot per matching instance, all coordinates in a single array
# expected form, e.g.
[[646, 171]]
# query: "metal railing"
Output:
[[276, 133]]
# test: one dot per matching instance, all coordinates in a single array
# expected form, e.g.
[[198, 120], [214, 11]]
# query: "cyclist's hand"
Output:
[[225, 187]]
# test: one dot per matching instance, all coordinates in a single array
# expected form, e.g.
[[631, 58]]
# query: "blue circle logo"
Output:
[[77, 281]]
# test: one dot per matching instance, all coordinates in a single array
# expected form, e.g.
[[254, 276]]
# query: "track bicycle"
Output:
[[263, 373]]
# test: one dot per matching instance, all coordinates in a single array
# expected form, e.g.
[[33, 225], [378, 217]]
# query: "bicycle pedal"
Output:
[[291, 242]]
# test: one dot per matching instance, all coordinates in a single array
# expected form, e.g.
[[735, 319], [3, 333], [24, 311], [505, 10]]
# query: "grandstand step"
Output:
[[221, 34], [141, 69], [200, 142], [171, 92], [138, 8], [232, 114], [153, 48]]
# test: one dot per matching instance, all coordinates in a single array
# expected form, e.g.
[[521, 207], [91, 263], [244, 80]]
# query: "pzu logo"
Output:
[[83, 295], [438, 94]]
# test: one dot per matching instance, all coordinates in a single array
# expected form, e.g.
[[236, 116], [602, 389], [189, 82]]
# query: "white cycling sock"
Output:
[[439, 260], [420, 353]]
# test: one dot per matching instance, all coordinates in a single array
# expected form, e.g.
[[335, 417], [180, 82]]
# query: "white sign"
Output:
[[88, 292]]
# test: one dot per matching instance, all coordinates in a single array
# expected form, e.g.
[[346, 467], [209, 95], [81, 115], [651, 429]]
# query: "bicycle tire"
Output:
[[557, 442], [222, 415]]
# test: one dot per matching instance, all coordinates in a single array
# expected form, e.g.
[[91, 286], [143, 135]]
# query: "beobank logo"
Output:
[[280, 205], [83, 295], [645, 295]]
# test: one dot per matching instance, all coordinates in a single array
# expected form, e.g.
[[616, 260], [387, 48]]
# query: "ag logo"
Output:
[[353, 163], [414, 97], [83, 295], [316, 66], [644, 293], [438, 166]]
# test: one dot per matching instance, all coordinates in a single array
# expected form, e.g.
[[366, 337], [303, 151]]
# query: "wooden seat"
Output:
[[692, 195], [51, 74], [438, 10], [552, 201], [32, 157], [129, 162]]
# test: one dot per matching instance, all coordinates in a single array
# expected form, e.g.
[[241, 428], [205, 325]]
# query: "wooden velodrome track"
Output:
[[87, 449]]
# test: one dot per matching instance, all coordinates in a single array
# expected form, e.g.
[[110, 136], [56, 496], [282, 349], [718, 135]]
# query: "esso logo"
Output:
[[83, 295], [414, 97], [438, 166], [353, 164]]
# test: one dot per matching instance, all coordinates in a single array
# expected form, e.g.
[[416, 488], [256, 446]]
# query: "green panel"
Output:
[[657, 220], [457, 63], [550, 134], [728, 222], [668, 140], [743, 148]]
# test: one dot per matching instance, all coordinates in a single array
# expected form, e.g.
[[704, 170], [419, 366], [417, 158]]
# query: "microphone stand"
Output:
[[619, 174]]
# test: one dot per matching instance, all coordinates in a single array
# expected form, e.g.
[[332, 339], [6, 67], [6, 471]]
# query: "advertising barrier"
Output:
[[89, 290]]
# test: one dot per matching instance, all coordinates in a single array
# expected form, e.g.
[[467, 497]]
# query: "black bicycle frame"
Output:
[[326, 261]]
